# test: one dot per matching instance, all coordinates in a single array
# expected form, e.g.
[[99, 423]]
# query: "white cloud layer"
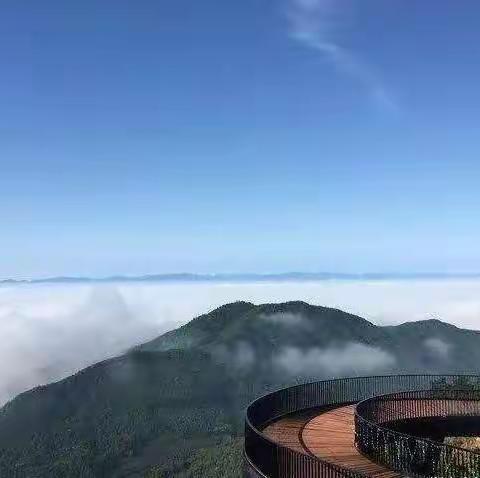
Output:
[[50, 331]]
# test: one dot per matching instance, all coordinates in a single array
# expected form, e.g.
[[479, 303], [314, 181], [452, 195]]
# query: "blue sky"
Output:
[[228, 136]]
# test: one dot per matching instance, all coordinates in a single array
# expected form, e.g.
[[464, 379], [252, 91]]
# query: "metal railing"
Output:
[[265, 458], [376, 436]]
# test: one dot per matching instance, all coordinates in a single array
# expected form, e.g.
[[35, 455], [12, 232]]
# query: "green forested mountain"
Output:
[[174, 406]]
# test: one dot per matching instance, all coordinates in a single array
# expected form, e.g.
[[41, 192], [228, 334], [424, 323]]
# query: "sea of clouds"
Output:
[[50, 331]]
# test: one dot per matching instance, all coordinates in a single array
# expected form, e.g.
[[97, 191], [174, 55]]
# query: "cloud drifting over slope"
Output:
[[352, 358], [438, 347], [50, 331], [287, 319]]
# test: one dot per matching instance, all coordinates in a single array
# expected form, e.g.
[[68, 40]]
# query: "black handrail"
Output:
[[375, 436], [265, 458]]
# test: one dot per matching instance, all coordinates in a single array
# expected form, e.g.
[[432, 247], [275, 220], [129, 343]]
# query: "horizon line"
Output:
[[246, 277]]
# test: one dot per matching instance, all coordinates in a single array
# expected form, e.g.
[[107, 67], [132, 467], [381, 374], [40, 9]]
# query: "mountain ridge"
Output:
[[166, 407]]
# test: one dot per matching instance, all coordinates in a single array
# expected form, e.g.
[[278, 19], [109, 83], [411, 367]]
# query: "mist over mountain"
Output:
[[50, 331], [336, 342], [167, 407]]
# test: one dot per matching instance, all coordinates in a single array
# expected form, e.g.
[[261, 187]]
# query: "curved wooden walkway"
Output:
[[329, 436]]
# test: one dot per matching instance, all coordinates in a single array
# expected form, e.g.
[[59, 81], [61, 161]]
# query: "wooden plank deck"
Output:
[[287, 431], [329, 436]]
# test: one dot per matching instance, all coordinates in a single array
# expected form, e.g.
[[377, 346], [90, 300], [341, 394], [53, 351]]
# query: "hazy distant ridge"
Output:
[[248, 277]]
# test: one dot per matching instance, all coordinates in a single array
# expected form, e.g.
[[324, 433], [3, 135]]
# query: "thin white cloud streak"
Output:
[[314, 23], [50, 331]]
